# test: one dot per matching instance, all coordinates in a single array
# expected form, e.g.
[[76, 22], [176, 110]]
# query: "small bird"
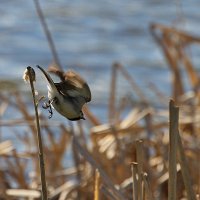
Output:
[[68, 96]]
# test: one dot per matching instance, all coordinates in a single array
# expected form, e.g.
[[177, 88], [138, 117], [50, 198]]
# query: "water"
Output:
[[90, 36]]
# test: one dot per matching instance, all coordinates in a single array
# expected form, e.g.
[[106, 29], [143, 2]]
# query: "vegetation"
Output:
[[151, 153]]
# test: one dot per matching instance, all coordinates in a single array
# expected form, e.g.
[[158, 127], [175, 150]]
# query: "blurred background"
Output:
[[90, 36]]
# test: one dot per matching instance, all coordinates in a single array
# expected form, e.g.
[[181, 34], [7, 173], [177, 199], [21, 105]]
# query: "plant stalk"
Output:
[[39, 138]]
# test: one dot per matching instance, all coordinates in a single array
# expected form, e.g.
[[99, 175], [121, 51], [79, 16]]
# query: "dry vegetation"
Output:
[[150, 154], [129, 158]]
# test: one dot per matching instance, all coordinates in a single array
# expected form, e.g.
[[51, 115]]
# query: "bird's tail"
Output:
[[51, 86]]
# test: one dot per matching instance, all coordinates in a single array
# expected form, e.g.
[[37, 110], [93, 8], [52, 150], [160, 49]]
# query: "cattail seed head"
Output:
[[29, 73]]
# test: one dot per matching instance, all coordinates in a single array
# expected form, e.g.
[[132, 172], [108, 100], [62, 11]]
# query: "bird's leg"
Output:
[[50, 108], [50, 111], [47, 105]]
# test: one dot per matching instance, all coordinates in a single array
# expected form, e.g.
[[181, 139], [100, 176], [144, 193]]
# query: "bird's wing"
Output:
[[67, 88], [57, 72], [72, 84]]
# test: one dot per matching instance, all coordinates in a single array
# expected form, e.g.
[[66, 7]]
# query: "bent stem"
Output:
[[39, 138]]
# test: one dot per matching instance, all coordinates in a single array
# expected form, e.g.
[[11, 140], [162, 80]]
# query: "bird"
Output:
[[68, 96]]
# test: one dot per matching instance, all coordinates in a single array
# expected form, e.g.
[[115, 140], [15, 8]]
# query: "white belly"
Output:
[[66, 108]]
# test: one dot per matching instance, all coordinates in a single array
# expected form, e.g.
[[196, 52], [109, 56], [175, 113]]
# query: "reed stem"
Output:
[[173, 137], [134, 169], [39, 138], [48, 34]]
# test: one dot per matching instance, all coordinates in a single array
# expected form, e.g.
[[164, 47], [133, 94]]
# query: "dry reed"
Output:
[[39, 137], [111, 147]]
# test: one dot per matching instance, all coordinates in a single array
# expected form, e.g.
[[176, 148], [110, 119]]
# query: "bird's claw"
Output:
[[50, 112], [47, 105]]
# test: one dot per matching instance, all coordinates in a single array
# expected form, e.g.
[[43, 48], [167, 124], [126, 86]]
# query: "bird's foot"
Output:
[[47, 105]]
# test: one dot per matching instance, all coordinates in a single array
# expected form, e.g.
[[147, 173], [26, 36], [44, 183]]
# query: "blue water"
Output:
[[91, 35]]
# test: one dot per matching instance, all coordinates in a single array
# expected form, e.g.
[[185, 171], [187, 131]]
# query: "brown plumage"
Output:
[[71, 84], [67, 96]]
